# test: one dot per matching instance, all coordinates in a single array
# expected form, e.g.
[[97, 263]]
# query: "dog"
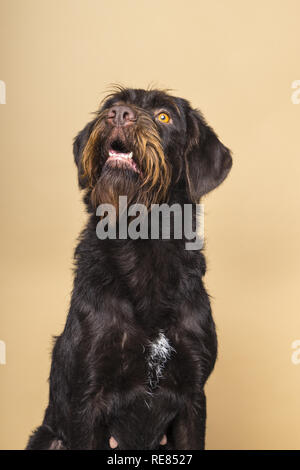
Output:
[[139, 341]]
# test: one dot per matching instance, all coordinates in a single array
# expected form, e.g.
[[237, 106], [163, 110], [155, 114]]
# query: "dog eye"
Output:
[[163, 117]]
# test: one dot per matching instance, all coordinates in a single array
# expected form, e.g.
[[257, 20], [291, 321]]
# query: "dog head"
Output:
[[148, 145]]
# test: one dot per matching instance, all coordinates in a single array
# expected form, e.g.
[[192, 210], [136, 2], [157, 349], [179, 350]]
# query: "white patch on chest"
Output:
[[159, 353]]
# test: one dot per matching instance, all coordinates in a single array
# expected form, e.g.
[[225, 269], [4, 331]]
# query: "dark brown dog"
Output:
[[139, 341]]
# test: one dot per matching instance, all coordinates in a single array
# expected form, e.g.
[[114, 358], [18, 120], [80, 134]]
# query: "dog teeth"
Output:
[[120, 155], [113, 155]]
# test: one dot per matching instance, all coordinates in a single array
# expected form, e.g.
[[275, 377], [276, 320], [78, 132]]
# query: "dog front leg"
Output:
[[89, 429], [188, 428], [53, 434]]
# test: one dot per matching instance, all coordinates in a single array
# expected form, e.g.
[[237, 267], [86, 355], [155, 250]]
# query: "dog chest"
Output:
[[159, 353], [134, 364]]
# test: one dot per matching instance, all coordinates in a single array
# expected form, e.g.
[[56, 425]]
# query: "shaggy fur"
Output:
[[139, 341]]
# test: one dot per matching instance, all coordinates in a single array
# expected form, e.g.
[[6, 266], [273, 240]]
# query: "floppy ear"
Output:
[[208, 161], [79, 144]]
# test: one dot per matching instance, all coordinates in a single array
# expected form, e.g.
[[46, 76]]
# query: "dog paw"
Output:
[[113, 443]]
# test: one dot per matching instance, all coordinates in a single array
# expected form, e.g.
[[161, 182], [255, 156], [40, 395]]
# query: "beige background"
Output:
[[236, 61]]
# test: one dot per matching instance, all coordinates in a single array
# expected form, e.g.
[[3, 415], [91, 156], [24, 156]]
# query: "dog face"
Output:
[[147, 145]]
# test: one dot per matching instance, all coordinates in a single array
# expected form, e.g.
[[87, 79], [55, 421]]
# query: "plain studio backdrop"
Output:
[[237, 62]]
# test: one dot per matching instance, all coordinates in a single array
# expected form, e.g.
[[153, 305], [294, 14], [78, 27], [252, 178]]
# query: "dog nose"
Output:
[[121, 115]]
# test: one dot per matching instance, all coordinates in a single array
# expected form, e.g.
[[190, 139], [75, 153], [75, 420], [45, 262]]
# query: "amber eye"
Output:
[[163, 117]]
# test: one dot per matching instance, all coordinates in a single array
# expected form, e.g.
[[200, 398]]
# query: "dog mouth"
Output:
[[119, 156]]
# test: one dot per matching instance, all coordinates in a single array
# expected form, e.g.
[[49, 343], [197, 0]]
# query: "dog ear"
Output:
[[208, 161], [79, 144]]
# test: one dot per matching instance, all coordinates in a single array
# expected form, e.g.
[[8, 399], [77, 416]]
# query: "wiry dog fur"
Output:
[[139, 341]]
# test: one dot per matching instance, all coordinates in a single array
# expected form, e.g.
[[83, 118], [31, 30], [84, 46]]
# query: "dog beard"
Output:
[[112, 183], [149, 185]]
